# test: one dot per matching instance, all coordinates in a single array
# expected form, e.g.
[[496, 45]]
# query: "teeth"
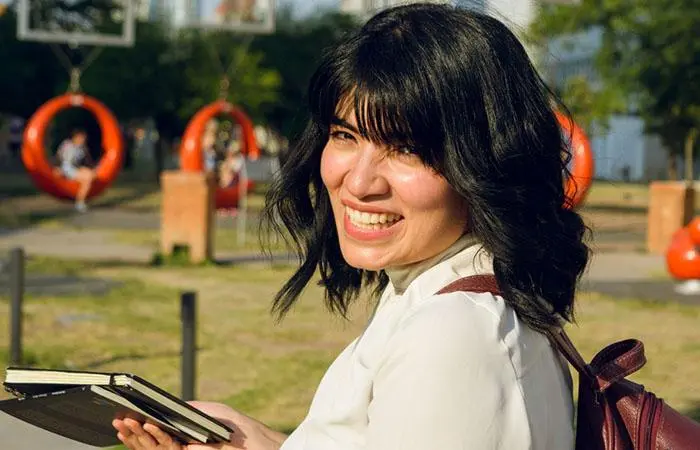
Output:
[[371, 221]]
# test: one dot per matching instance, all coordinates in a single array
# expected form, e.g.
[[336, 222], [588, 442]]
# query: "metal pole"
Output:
[[16, 296], [188, 303], [241, 218]]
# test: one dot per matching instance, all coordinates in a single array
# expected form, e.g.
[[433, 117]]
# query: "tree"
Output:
[[29, 71], [590, 107], [294, 51], [649, 53]]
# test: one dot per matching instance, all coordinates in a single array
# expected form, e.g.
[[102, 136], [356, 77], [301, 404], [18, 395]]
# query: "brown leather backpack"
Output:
[[613, 413]]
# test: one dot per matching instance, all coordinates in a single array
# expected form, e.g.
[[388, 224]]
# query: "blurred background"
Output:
[[97, 292]]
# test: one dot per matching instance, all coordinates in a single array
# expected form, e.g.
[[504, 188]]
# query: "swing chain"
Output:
[[75, 72], [74, 86], [224, 86], [228, 71]]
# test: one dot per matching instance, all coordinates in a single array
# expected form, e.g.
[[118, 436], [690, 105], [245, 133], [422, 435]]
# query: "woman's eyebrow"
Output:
[[342, 123]]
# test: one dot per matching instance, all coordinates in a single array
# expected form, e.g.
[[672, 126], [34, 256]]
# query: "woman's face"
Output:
[[390, 209]]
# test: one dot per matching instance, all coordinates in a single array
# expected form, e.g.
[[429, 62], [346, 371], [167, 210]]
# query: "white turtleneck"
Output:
[[455, 371]]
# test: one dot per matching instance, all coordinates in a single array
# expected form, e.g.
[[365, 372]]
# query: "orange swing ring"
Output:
[[683, 254], [583, 167], [191, 154], [46, 177]]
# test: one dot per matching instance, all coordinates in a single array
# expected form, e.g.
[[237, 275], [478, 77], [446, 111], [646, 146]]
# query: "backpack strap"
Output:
[[557, 336]]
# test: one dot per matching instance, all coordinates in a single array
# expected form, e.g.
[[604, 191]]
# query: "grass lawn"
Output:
[[271, 371]]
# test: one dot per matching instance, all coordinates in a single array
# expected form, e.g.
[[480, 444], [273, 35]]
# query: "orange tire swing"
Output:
[[583, 167], [44, 175], [683, 254], [191, 154]]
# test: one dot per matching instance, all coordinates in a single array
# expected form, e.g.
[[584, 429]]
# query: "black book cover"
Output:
[[79, 414]]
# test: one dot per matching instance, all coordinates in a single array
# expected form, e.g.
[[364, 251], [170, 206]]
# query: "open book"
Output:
[[82, 405]]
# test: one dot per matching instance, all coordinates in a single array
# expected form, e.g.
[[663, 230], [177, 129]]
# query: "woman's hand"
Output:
[[249, 434]]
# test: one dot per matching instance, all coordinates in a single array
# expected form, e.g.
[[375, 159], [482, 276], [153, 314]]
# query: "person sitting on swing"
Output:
[[232, 165], [73, 160]]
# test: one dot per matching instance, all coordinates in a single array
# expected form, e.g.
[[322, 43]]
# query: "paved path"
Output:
[[17, 435], [96, 244], [74, 244], [99, 245]]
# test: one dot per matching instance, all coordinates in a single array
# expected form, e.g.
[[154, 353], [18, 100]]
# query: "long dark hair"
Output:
[[458, 87]]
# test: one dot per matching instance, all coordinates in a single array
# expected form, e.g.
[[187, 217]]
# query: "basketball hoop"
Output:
[[64, 23]]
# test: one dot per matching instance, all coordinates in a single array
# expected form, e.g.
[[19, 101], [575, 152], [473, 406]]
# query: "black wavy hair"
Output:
[[459, 88]]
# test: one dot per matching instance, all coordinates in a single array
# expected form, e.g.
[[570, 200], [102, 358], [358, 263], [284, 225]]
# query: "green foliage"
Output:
[[180, 257], [169, 75], [27, 71], [650, 55], [294, 51], [591, 107]]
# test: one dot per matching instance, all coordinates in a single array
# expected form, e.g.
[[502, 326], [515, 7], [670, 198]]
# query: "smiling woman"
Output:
[[432, 154], [390, 209]]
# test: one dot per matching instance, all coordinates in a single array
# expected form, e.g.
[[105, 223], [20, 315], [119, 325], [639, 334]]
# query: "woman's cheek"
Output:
[[421, 188], [334, 165]]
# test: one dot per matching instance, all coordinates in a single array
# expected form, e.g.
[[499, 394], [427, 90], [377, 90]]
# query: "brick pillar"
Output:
[[671, 205], [187, 213]]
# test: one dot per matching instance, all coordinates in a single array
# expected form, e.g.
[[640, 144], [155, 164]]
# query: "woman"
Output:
[[72, 156], [432, 154]]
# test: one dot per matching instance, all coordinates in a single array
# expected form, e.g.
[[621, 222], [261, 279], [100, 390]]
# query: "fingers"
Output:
[[163, 438], [133, 435], [125, 435]]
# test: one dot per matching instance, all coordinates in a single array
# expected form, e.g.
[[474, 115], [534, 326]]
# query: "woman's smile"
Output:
[[366, 226]]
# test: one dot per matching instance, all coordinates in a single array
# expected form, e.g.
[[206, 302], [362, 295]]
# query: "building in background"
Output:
[[624, 151]]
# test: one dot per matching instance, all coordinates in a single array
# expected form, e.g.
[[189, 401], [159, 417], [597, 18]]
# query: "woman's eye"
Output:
[[404, 152], [342, 136]]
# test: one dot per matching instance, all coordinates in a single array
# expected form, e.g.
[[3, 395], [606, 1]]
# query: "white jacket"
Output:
[[455, 371]]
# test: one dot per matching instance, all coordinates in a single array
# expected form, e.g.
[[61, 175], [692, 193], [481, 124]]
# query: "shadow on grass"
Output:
[[694, 412], [45, 265], [620, 209], [131, 193], [96, 364]]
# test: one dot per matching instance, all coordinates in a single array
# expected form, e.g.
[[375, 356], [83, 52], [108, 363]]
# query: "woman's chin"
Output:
[[365, 260]]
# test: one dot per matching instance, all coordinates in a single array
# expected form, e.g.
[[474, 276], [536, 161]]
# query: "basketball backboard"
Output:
[[77, 22], [244, 16]]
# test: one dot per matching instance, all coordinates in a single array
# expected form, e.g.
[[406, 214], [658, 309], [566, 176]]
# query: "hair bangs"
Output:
[[387, 104]]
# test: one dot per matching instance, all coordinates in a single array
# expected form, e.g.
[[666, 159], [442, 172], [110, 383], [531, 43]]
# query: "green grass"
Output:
[[244, 359], [669, 332], [271, 371]]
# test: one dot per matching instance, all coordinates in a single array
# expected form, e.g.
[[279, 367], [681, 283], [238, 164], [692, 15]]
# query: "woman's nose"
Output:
[[367, 178]]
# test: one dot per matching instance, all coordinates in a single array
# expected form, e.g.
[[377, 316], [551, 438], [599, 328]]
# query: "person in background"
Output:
[[15, 138], [232, 166], [209, 146], [74, 161], [230, 172]]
